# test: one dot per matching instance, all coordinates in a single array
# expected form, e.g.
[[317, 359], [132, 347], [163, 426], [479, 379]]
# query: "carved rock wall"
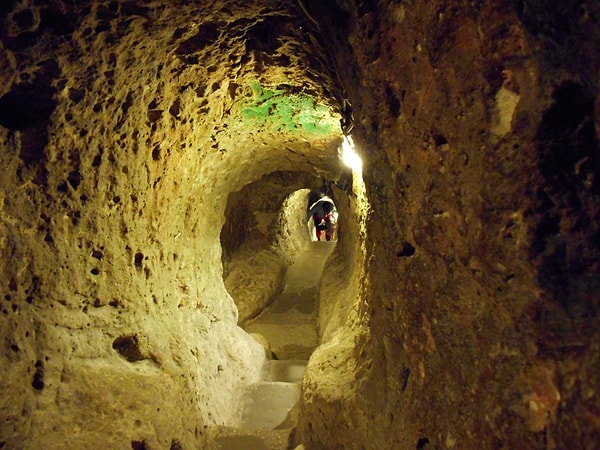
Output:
[[478, 317], [469, 318], [124, 128]]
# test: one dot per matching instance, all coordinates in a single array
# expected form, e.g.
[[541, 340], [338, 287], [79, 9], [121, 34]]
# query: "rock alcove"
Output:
[[150, 151]]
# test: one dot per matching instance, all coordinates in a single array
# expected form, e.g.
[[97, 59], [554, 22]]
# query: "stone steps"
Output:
[[269, 405], [227, 438], [268, 411], [290, 370]]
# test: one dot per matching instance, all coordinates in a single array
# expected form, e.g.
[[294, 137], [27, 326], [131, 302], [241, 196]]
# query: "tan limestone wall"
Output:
[[117, 162], [475, 322]]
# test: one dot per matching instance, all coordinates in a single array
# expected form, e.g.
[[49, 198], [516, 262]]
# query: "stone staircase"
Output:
[[268, 411]]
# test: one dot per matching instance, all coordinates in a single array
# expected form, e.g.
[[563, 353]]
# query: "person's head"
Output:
[[326, 207]]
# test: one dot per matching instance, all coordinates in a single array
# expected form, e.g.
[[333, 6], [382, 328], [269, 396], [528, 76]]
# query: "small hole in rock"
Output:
[[128, 347], [404, 377], [406, 251], [74, 179], [38, 377], [139, 257], [423, 444], [138, 445]]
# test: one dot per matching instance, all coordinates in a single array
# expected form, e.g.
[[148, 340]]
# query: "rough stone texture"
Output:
[[262, 235], [469, 318], [123, 131], [480, 308]]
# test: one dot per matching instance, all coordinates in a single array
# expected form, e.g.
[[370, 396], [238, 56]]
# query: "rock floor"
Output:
[[268, 410]]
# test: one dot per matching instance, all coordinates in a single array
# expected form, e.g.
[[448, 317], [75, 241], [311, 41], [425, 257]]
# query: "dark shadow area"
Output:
[[566, 243]]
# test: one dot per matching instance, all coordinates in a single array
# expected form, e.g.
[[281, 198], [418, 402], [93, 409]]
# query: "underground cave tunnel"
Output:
[[147, 144]]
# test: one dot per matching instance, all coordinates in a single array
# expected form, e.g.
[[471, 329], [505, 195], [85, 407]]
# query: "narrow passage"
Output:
[[268, 409], [289, 323]]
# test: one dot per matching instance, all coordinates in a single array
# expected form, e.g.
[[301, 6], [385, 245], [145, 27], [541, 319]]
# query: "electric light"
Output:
[[349, 155]]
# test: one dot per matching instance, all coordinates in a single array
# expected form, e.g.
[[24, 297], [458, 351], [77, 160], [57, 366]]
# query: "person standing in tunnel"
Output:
[[324, 215]]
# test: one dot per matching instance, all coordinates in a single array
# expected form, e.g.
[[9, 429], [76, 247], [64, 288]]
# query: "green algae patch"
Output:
[[281, 109]]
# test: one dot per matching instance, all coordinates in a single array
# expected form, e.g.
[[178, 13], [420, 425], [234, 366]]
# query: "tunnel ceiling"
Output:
[[125, 127], [253, 76]]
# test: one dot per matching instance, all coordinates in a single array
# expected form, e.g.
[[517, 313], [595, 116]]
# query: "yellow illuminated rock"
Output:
[[157, 159]]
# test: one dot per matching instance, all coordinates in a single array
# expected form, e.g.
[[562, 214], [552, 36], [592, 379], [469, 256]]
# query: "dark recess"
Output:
[[566, 242], [128, 347]]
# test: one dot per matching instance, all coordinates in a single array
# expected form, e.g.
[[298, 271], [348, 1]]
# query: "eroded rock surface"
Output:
[[461, 306], [477, 324]]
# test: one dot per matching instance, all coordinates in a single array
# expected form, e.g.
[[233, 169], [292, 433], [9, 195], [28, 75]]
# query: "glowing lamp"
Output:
[[349, 155]]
